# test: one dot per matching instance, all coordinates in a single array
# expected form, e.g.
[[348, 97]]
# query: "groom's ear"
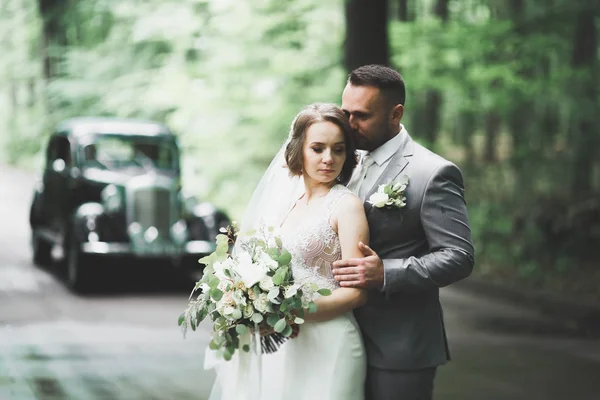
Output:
[[397, 113]]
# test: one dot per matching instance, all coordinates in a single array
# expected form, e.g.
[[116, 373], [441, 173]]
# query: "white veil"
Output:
[[274, 195], [242, 377]]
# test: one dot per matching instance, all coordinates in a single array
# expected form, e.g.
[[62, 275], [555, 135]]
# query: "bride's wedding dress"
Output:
[[327, 359]]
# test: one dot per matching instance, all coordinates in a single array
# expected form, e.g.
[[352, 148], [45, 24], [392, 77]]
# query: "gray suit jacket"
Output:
[[424, 246]]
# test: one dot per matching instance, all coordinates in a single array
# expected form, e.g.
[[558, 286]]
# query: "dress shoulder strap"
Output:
[[334, 196]]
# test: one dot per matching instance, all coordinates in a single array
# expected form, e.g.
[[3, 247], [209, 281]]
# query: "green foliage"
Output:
[[518, 68], [229, 77]]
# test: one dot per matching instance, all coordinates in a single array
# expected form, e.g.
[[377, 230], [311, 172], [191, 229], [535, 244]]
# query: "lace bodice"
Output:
[[314, 244]]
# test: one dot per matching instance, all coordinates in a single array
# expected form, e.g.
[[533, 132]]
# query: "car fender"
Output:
[[35, 212], [213, 218]]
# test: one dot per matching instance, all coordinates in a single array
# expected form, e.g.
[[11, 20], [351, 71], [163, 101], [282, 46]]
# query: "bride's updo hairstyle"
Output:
[[319, 112]]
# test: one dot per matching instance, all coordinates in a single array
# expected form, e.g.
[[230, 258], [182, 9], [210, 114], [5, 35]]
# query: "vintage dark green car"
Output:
[[111, 189]]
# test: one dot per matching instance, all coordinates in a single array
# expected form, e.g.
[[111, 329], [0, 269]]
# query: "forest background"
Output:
[[506, 89]]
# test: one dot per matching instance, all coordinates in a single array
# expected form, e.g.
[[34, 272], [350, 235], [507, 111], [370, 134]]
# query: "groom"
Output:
[[415, 248]]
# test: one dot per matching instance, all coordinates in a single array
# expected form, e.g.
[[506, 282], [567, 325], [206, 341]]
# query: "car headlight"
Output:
[[112, 199], [188, 203], [179, 232]]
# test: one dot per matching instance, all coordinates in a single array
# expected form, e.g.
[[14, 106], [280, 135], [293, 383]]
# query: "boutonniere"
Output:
[[390, 195]]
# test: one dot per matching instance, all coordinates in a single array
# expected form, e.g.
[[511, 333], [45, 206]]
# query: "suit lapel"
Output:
[[396, 165]]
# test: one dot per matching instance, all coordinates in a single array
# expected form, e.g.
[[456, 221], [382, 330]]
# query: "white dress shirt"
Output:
[[381, 157]]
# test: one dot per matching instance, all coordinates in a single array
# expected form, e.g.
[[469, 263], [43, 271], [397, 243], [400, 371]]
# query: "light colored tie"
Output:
[[367, 162], [363, 166]]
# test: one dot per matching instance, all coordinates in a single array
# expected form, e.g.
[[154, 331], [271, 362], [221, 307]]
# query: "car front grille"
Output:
[[152, 207]]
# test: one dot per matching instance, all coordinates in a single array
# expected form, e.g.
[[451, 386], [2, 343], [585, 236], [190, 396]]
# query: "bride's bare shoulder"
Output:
[[348, 204]]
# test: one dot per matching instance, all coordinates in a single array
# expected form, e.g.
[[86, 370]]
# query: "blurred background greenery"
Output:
[[507, 89]]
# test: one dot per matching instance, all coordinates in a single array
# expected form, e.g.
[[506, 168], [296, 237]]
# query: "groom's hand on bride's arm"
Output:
[[366, 272]]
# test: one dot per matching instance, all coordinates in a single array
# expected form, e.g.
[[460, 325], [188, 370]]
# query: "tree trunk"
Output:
[[431, 118], [441, 10], [31, 92], [14, 98], [366, 33], [585, 44], [400, 11], [53, 33], [433, 97], [492, 128]]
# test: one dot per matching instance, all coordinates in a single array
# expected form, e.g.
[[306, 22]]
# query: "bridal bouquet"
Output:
[[250, 291]]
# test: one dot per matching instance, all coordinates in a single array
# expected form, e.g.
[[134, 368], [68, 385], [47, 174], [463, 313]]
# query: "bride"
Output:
[[320, 221]]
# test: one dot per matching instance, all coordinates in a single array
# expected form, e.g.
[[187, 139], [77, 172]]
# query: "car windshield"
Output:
[[114, 151]]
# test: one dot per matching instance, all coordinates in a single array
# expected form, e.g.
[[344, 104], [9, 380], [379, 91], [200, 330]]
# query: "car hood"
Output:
[[120, 177]]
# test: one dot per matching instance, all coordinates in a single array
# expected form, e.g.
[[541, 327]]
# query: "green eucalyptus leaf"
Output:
[[208, 260], [280, 325], [279, 276], [287, 331], [181, 319], [246, 348], [213, 281], [285, 258], [273, 293], [273, 253], [324, 292], [272, 319], [256, 318], [297, 303], [216, 294]]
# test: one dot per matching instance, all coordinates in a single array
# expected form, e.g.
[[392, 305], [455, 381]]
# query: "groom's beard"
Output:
[[362, 143]]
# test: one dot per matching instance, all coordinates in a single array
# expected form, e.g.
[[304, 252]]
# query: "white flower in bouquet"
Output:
[[222, 286], [228, 310], [248, 311], [266, 283], [250, 272], [224, 302], [238, 297], [222, 266], [219, 269], [261, 304]]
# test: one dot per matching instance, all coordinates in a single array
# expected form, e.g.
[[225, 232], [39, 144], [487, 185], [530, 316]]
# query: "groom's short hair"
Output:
[[309, 115], [387, 80]]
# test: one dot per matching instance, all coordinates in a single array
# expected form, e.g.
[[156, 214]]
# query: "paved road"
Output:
[[123, 343]]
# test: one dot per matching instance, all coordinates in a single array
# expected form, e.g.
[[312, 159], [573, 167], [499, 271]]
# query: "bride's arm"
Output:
[[350, 222]]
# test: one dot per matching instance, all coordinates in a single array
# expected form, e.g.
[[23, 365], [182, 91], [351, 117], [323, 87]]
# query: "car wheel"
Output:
[[78, 268], [42, 250]]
